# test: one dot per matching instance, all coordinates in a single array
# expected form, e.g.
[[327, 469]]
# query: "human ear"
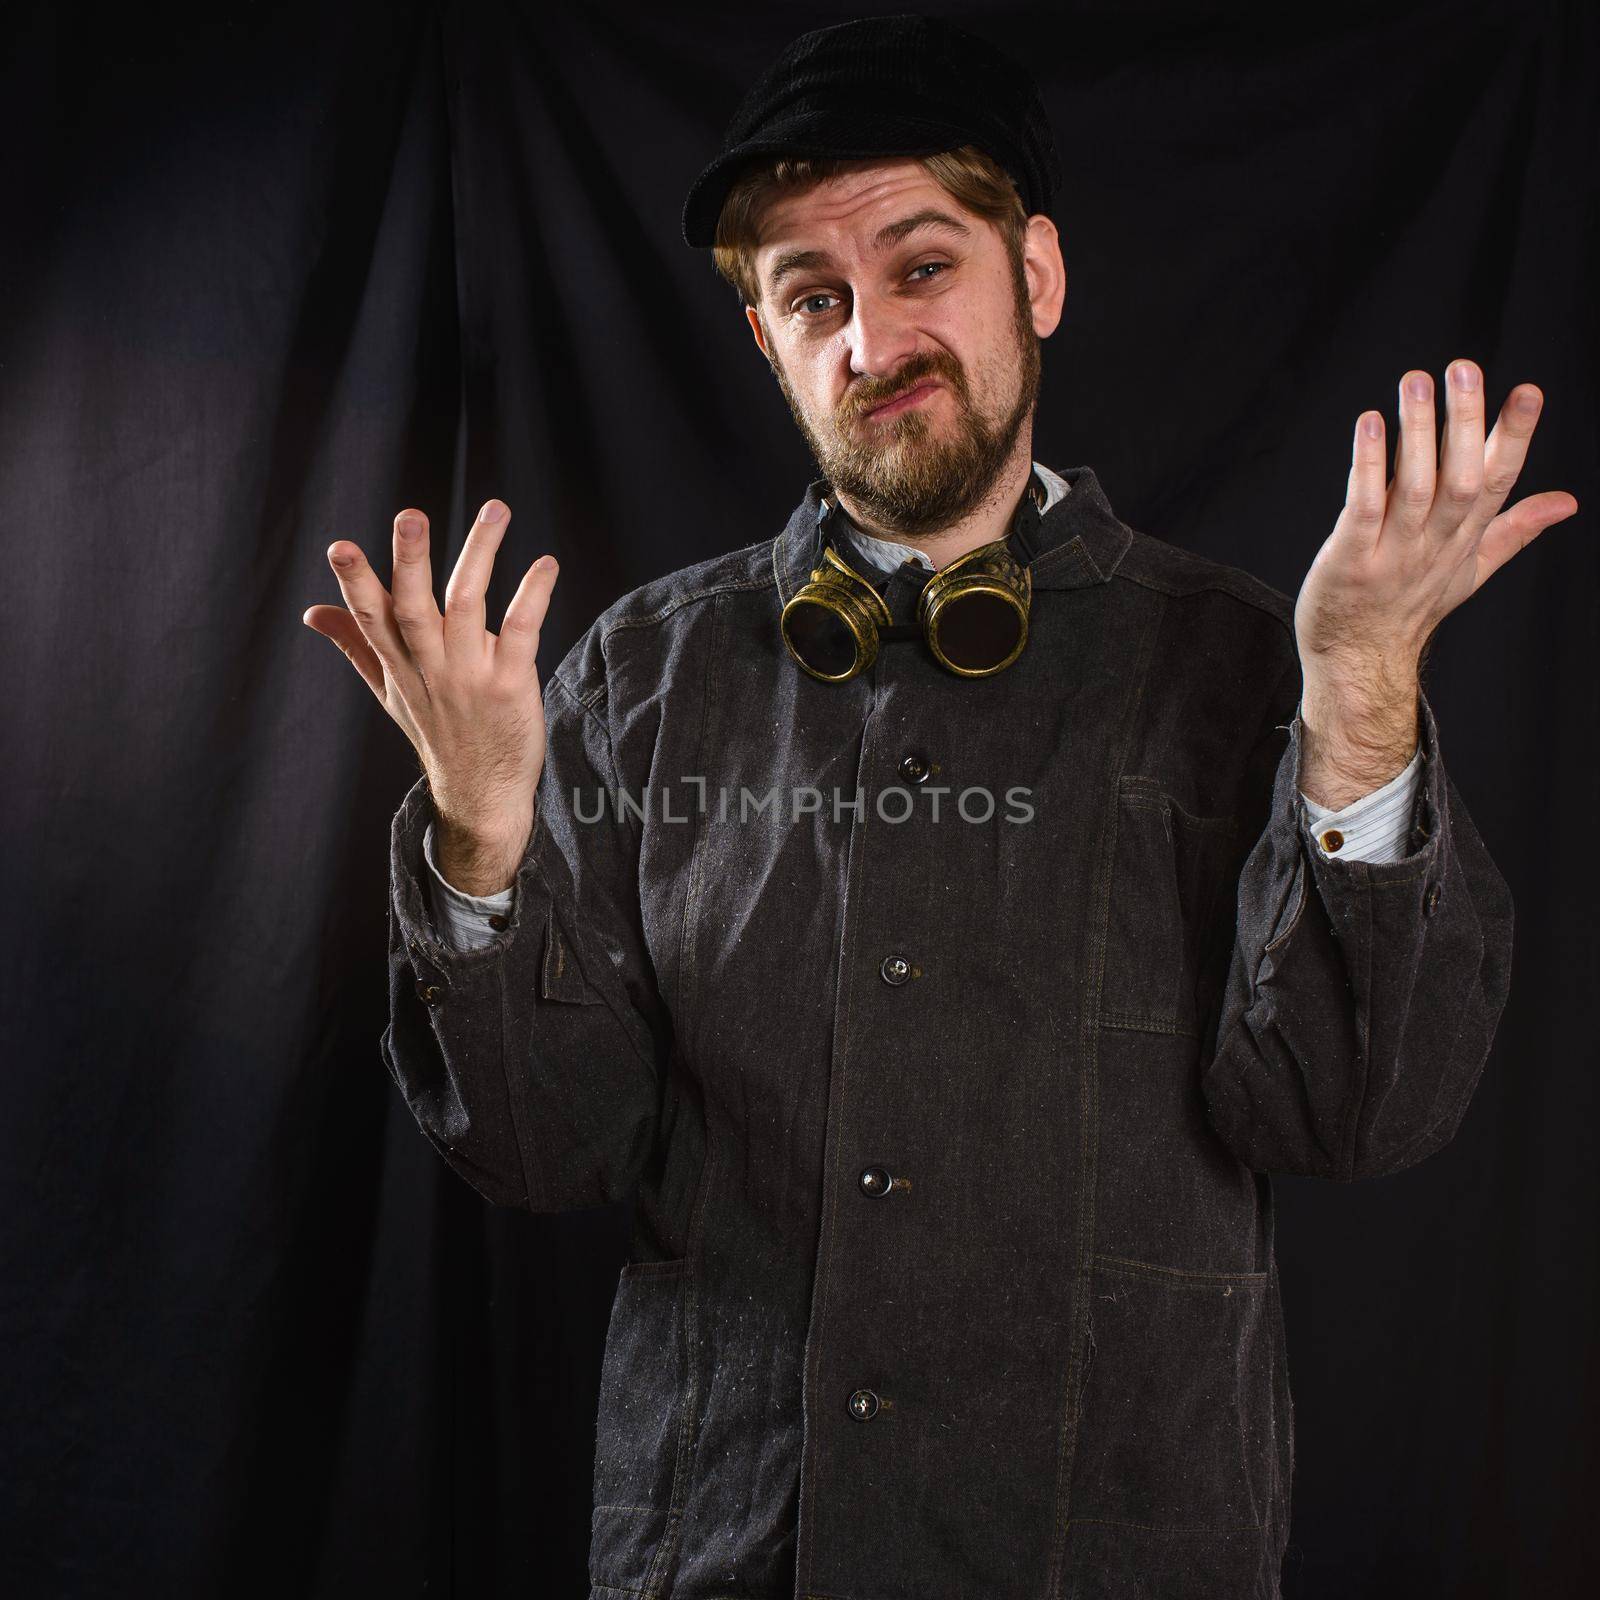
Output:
[[1046, 273], [753, 317]]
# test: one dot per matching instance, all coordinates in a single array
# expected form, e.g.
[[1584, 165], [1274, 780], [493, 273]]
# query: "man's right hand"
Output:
[[468, 700]]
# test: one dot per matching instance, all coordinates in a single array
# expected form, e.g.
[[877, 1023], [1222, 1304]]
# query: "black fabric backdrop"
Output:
[[273, 274]]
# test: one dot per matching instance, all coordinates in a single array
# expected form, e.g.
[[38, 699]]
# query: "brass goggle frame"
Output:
[[973, 614]]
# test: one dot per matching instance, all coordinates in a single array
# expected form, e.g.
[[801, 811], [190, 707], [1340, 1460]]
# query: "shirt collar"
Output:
[[885, 555], [1079, 540]]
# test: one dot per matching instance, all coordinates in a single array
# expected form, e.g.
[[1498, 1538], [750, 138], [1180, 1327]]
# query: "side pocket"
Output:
[[1168, 870], [637, 1425], [1294, 904], [561, 978], [1177, 1433]]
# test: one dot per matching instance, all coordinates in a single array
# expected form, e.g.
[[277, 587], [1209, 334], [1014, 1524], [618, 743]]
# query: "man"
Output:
[[947, 913]]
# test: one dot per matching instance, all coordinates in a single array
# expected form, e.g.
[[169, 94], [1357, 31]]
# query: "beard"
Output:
[[912, 476]]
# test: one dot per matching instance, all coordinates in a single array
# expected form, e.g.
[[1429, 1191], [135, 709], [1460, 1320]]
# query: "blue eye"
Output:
[[801, 306]]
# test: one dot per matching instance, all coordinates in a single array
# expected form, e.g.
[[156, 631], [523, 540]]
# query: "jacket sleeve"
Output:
[[1361, 998], [532, 1062]]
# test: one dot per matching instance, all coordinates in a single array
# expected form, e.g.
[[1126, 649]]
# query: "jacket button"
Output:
[[1331, 840], [498, 920], [428, 993], [895, 969], [863, 1405], [1430, 900], [875, 1181], [914, 768]]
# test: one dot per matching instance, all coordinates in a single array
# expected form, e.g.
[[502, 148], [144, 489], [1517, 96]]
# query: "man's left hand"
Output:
[[1398, 561]]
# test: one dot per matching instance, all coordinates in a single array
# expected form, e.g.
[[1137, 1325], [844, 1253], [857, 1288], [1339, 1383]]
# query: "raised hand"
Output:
[[469, 700], [1399, 560]]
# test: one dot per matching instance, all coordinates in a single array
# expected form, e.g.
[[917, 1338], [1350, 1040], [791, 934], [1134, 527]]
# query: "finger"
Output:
[[1518, 526], [1461, 457], [334, 622], [518, 644], [368, 602], [464, 622], [415, 614], [1416, 459], [1507, 449], [1365, 494]]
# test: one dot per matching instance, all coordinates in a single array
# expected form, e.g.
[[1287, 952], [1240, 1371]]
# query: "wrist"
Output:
[[1358, 731], [479, 858]]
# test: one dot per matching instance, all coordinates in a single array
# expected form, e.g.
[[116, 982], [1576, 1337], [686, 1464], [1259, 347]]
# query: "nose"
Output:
[[880, 336]]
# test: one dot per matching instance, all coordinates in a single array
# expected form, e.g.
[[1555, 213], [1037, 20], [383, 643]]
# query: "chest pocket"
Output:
[[1166, 934]]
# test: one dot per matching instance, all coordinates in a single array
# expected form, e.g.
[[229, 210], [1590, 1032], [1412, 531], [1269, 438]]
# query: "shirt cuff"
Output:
[[1373, 827], [465, 921]]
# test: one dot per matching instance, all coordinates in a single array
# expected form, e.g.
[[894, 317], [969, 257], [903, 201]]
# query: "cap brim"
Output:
[[808, 136]]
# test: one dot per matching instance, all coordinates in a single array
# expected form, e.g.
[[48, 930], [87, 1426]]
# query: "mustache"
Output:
[[869, 398]]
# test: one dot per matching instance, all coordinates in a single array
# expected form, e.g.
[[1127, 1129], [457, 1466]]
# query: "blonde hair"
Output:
[[970, 177]]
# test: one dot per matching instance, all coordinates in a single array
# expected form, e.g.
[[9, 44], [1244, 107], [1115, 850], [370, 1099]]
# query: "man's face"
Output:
[[857, 309]]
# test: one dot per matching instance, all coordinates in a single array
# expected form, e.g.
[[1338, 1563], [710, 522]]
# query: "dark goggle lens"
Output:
[[821, 638], [977, 632]]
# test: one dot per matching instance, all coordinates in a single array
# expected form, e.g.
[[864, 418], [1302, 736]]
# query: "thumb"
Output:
[[335, 623]]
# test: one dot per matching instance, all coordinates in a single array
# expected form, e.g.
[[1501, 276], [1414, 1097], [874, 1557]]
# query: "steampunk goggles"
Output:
[[973, 614]]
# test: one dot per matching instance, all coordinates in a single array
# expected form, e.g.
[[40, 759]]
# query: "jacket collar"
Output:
[[1079, 540]]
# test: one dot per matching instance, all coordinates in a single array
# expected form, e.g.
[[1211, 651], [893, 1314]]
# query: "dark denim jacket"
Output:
[[952, 1270]]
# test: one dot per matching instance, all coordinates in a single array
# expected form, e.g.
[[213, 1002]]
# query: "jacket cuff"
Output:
[[1416, 848], [1377, 911], [410, 873], [466, 921]]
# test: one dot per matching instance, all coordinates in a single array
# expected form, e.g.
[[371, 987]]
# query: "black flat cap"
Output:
[[884, 86]]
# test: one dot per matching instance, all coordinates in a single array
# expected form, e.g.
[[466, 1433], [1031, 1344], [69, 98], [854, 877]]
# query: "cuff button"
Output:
[[1332, 839]]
